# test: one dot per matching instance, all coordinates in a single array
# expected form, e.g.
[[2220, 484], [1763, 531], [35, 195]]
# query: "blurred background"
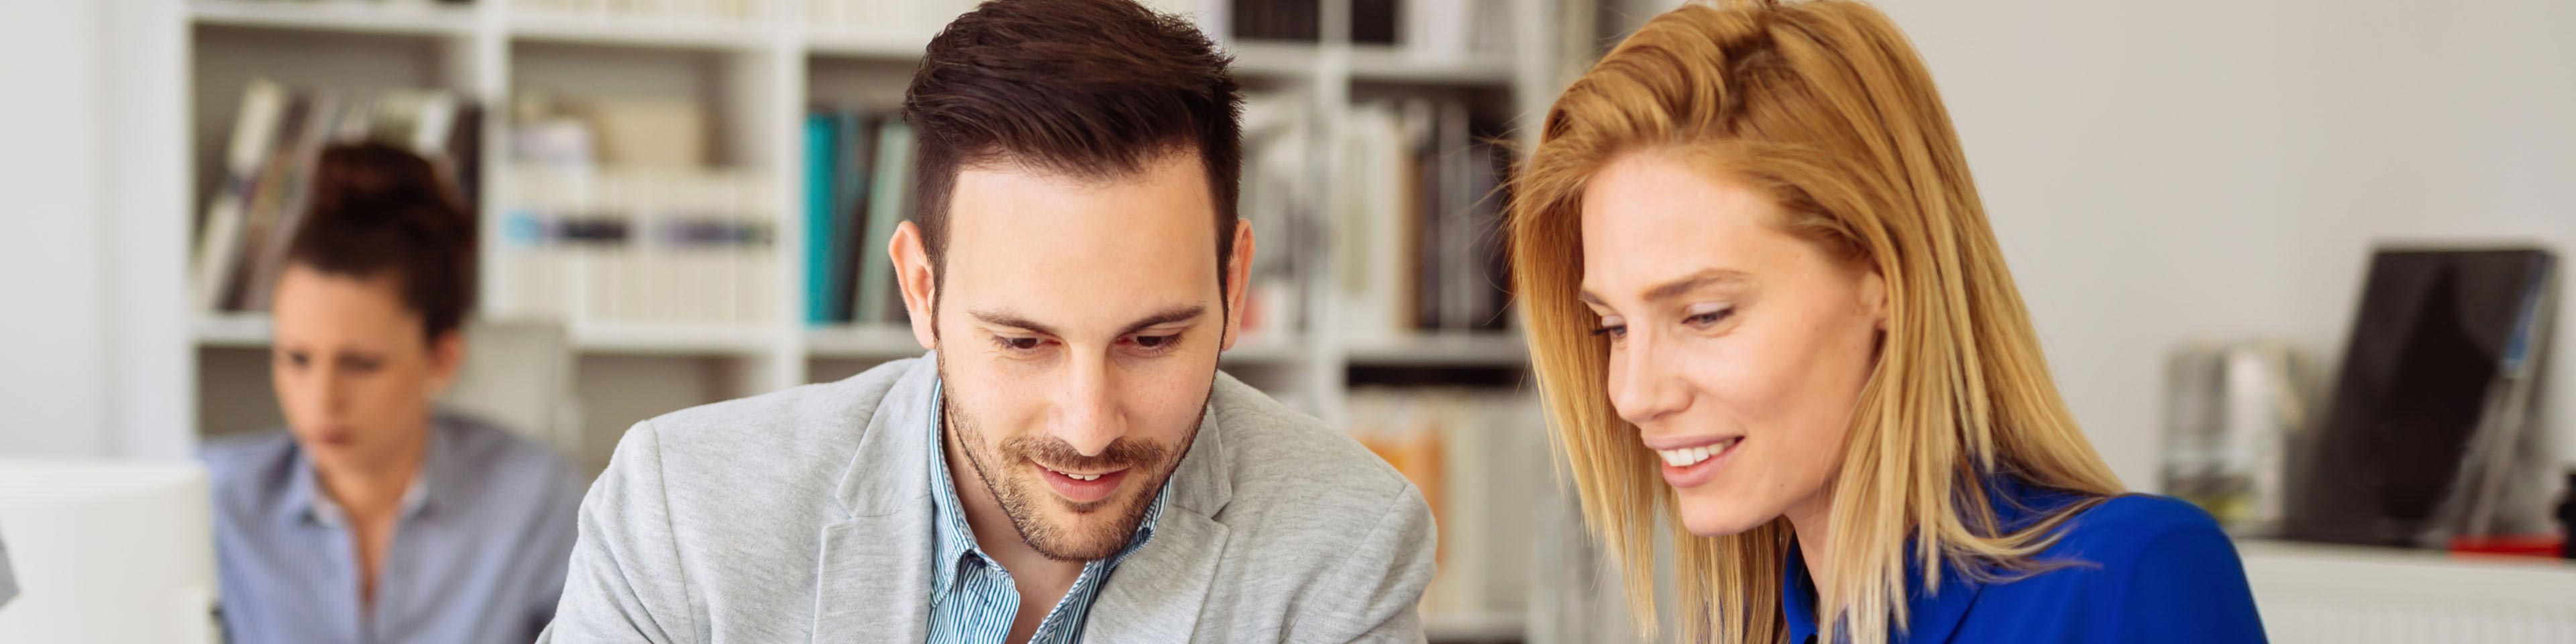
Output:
[[2208, 207]]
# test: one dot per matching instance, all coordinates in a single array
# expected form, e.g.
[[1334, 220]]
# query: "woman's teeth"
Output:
[[1689, 456]]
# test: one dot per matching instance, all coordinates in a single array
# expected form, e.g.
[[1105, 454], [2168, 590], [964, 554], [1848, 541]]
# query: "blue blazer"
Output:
[[2133, 568]]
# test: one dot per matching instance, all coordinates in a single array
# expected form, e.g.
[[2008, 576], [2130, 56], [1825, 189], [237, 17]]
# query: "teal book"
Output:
[[820, 148]]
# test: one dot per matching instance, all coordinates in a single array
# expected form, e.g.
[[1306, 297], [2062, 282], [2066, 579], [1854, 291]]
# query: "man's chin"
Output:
[[1067, 531]]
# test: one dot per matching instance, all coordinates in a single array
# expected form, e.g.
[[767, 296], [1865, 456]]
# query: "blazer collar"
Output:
[[1932, 616]]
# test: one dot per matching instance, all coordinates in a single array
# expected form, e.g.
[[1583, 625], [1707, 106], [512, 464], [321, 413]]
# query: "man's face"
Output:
[[1078, 323]]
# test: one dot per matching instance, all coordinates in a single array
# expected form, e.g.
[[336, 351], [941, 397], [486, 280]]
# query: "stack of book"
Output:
[[673, 247], [858, 185], [277, 137], [1474, 454], [1420, 246]]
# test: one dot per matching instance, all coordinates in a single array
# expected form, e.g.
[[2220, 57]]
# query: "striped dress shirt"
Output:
[[971, 597]]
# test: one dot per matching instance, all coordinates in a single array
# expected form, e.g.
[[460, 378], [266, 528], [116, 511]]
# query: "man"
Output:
[[1067, 464]]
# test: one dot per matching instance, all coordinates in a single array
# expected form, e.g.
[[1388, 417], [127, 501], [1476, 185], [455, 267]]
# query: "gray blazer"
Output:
[[804, 516]]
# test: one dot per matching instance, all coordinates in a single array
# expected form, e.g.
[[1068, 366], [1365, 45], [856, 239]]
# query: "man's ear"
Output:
[[446, 357], [1238, 279], [920, 284]]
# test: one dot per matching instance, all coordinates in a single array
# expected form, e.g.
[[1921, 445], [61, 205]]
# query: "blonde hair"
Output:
[[1824, 106]]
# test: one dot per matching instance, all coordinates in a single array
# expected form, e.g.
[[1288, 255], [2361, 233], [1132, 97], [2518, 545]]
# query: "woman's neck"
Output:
[[1808, 520], [378, 487]]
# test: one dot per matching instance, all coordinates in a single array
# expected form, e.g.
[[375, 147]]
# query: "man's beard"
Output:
[[1020, 497]]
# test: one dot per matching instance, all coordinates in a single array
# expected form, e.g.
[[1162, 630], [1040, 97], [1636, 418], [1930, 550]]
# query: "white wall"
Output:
[[94, 351], [2162, 169], [53, 249]]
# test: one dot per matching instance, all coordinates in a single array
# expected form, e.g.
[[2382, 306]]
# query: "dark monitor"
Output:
[[2438, 342]]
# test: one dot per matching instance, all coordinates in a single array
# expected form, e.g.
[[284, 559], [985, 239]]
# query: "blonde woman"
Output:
[[1766, 308]]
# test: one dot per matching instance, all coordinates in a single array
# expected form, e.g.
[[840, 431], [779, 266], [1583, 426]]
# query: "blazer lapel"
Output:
[[1156, 594], [873, 582], [872, 570]]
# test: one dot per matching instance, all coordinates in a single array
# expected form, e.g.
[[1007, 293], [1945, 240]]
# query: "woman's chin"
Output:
[[1718, 518]]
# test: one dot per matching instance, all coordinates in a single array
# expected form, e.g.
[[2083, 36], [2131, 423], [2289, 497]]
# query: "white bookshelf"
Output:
[[757, 77]]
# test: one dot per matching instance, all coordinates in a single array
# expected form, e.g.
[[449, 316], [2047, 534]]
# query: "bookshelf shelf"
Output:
[[1441, 350], [1274, 60], [860, 45], [883, 342], [672, 340], [1389, 65], [251, 331], [232, 331], [347, 17], [640, 32], [1473, 627]]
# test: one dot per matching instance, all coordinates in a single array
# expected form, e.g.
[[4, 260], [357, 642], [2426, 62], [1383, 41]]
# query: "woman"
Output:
[[374, 517], [1765, 306]]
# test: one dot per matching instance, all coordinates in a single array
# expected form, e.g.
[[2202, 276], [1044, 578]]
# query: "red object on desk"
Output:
[[2511, 545]]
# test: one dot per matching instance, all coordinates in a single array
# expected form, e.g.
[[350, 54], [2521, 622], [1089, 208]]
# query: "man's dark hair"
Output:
[[378, 210], [1093, 89]]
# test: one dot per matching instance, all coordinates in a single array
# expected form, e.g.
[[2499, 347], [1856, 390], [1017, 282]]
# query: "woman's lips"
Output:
[[1694, 465]]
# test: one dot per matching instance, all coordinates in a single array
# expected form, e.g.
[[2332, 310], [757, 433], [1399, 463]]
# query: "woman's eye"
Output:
[[1615, 331], [1705, 319]]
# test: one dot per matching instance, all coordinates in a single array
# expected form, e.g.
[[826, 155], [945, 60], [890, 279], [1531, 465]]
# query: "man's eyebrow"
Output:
[[1166, 316], [1681, 286], [1013, 320], [1182, 313]]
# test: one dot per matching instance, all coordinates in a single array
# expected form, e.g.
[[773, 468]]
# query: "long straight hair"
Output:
[[1825, 107]]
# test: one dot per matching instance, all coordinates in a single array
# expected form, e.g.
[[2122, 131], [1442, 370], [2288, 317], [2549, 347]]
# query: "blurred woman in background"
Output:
[[376, 517], [1765, 306]]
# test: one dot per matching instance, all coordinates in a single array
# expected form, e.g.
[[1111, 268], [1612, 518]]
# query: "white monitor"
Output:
[[107, 552]]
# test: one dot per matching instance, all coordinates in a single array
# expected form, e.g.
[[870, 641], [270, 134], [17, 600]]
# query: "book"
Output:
[[849, 208], [639, 247], [888, 203], [220, 230], [822, 145], [1421, 221]]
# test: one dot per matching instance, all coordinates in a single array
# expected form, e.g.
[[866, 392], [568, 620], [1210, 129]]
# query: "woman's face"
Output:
[[1737, 350], [352, 372]]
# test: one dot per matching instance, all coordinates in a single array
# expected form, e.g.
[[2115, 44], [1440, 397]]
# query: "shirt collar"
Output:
[[305, 500], [955, 540], [1933, 616]]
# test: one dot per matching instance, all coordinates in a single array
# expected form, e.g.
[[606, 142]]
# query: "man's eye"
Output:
[[1157, 341], [1016, 344]]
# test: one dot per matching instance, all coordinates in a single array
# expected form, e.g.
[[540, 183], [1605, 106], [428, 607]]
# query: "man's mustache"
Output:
[[1056, 454]]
